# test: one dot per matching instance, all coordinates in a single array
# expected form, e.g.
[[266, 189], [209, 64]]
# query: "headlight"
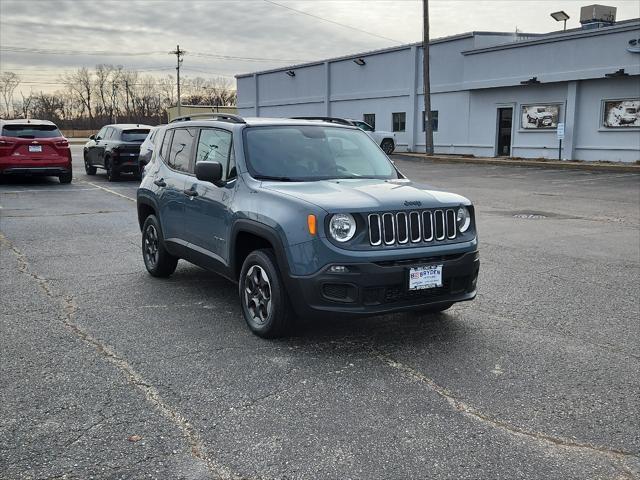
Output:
[[342, 227], [463, 219]]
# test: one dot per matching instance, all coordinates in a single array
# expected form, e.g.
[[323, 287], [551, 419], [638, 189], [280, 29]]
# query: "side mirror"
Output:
[[92, 137], [209, 172]]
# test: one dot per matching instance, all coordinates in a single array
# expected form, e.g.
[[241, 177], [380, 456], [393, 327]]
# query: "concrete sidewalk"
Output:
[[555, 164], [77, 141]]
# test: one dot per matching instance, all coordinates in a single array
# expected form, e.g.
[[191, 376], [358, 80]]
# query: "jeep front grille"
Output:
[[412, 227]]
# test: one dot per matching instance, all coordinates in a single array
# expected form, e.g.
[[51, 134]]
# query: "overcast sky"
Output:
[[138, 34]]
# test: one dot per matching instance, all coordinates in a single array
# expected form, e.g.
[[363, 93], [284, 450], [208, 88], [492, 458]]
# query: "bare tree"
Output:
[[111, 93], [81, 86], [9, 81], [167, 86], [26, 104]]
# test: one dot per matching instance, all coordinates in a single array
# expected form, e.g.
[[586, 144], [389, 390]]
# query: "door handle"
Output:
[[160, 183], [190, 193]]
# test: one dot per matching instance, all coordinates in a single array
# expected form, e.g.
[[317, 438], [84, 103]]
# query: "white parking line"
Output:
[[111, 191], [47, 190]]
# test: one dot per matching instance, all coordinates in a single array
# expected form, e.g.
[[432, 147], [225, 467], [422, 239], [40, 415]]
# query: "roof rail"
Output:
[[341, 121], [223, 117]]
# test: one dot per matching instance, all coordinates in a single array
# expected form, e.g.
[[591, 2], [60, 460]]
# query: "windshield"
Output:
[[31, 131], [134, 135], [303, 153]]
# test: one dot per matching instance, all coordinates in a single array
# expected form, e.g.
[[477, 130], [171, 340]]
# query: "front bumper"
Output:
[[382, 287]]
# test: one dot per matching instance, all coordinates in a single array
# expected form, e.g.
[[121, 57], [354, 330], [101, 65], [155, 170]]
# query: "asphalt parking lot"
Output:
[[107, 372]]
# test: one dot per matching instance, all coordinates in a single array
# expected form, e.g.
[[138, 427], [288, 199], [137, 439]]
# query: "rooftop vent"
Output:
[[597, 16]]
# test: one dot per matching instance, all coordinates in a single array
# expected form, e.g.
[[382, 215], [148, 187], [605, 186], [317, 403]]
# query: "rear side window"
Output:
[[134, 135], [181, 147], [166, 143], [30, 131], [214, 145]]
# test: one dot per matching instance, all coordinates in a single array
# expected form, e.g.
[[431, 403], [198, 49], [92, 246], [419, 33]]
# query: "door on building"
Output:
[[505, 123]]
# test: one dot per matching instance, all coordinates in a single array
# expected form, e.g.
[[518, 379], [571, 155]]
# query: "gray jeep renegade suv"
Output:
[[306, 217]]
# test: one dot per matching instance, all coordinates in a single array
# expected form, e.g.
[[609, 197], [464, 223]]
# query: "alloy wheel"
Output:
[[151, 246], [257, 294]]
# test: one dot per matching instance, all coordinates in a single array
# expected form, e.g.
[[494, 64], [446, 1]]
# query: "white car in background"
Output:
[[386, 140], [146, 149]]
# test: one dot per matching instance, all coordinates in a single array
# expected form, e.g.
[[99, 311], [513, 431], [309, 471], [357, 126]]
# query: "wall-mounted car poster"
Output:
[[536, 117], [621, 113]]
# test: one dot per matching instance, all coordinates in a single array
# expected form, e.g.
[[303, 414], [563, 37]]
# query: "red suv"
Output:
[[34, 147]]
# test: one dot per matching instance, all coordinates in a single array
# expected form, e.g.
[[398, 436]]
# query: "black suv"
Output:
[[116, 149], [308, 217]]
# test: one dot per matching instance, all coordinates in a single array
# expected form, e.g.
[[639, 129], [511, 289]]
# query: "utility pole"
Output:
[[179, 54], [428, 130]]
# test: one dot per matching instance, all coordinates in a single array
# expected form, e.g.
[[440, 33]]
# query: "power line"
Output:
[[110, 53], [332, 21], [105, 53]]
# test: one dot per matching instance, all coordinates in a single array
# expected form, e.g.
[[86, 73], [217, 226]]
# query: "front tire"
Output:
[[387, 146], [159, 262], [265, 304]]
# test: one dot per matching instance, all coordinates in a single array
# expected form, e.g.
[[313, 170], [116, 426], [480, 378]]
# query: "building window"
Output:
[[434, 120], [370, 118], [399, 121]]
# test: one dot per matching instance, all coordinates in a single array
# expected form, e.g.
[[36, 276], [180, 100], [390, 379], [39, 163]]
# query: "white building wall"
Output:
[[472, 76], [594, 141]]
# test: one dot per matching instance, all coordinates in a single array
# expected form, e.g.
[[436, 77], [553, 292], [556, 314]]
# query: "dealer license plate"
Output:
[[35, 148], [429, 276]]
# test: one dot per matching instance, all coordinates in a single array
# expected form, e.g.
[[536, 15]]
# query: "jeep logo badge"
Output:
[[416, 203]]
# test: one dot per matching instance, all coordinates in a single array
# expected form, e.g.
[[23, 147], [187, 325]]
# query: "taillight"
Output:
[[62, 143], [6, 143]]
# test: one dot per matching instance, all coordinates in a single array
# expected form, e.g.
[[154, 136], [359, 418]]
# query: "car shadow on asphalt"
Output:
[[408, 328], [28, 181]]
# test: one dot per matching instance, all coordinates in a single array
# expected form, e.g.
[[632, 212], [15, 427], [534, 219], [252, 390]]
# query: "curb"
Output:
[[565, 165]]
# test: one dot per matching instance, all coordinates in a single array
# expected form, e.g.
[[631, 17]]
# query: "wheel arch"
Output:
[[249, 235], [145, 208]]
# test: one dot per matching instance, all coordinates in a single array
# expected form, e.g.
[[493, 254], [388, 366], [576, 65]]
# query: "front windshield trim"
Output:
[[394, 174]]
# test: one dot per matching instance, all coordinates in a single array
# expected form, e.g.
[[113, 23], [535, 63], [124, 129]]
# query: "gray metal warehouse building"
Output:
[[493, 93]]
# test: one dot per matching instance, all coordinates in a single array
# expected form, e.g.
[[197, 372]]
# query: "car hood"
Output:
[[367, 195]]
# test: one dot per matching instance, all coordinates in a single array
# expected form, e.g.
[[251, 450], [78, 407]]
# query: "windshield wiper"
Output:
[[278, 179]]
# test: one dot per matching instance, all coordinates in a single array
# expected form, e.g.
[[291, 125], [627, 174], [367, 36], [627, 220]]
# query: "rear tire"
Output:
[[265, 304], [88, 168], [65, 177], [112, 174], [159, 262], [387, 146]]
